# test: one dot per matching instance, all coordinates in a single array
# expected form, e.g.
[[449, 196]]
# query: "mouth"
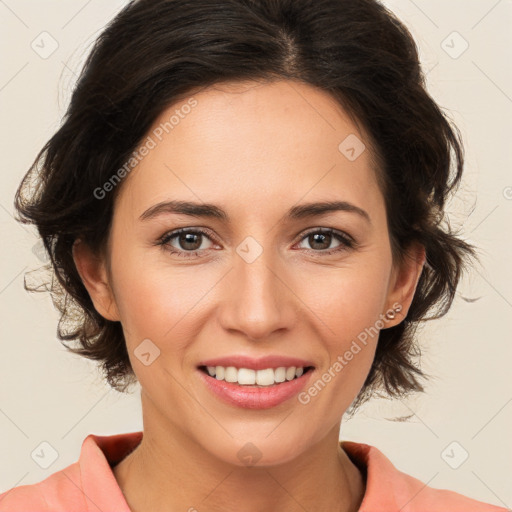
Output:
[[249, 377], [255, 384]]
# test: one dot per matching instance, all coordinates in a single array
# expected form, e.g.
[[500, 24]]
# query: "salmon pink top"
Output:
[[89, 485]]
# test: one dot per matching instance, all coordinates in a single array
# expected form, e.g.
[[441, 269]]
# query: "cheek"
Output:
[[349, 319], [159, 301], [347, 300], [348, 304]]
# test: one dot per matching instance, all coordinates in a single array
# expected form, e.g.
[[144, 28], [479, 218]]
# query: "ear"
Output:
[[94, 275], [403, 283]]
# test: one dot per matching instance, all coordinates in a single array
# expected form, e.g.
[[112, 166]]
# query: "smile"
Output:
[[259, 378], [255, 383]]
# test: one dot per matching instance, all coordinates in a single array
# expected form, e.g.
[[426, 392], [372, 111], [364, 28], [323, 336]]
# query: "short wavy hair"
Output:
[[156, 51]]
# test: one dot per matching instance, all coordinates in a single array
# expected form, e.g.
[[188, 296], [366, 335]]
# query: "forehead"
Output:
[[253, 141]]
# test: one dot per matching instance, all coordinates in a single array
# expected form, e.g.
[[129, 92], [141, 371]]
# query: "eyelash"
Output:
[[347, 242]]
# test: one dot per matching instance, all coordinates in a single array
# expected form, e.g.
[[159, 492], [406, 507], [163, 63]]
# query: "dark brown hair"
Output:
[[155, 51]]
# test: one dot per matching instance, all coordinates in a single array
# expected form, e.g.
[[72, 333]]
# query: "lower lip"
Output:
[[252, 397]]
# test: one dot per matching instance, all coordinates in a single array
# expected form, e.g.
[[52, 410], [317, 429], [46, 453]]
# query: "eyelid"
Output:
[[189, 229], [318, 229]]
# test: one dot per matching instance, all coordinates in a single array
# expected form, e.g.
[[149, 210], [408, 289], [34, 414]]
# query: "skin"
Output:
[[255, 150]]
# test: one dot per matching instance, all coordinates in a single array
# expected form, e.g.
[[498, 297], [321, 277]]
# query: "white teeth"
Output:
[[290, 373], [265, 377], [280, 374], [248, 377], [230, 374]]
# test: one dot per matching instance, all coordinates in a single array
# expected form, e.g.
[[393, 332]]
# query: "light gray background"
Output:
[[49, 395]]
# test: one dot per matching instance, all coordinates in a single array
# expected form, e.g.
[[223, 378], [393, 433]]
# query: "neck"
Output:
[[170, 471]]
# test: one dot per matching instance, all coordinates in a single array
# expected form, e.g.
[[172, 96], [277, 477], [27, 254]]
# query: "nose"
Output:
[[257, 300]]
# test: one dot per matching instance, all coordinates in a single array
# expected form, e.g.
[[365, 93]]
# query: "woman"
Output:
[[241, 204]]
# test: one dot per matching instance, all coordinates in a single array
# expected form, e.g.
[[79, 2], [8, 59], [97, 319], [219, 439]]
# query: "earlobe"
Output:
[[92, 271], [404, 284]]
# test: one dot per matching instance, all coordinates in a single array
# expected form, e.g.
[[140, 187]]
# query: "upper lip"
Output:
[[256, 363]]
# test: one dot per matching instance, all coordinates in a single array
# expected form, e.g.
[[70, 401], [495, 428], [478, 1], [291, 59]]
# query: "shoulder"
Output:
[[388, 488], [20, 498], [86, 485], [56, 491], [416, 496]]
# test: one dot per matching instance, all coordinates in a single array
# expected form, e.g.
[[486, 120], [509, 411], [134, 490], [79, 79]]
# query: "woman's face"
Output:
[[269, 283]]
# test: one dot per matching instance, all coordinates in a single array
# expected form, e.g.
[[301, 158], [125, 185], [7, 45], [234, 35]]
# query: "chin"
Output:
[[258, 451]]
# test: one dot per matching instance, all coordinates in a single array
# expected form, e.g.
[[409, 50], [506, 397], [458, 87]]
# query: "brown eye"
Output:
[[189, 241], [320, 241], [185, 242]]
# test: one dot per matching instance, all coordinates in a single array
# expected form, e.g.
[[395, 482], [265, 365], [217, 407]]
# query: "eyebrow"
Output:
[[208, 210]]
